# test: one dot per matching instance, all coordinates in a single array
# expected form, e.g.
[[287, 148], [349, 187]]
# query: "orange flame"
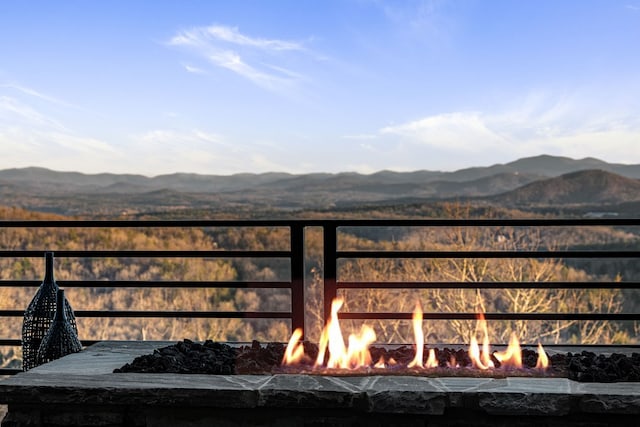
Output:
[[358, 350], [512, 356], [333, 353], [481, 360], [294, 351], [432, 362], [543, 360], [419, 337], [380, 363], [355, 355]]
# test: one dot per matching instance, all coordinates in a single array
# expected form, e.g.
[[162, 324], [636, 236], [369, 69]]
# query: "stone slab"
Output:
[[87, 378]]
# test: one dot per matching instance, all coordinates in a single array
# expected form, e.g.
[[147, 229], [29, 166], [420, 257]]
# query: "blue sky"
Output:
[[221, 87]]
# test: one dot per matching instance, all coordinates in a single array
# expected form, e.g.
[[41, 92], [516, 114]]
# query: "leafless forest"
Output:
[[466, 271]]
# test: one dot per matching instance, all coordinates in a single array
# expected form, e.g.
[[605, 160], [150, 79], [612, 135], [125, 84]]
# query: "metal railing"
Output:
[[332, 254]]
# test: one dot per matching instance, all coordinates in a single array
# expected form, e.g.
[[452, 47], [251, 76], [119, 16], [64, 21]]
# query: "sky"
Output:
[[222, 87]]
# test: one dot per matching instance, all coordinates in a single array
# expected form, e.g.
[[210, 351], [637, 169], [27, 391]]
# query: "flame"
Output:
[[355, 355], [419, 337], [543, 360], [474, 354], [512, 356], [479, 359], [294, 351], [333, 353], [432, 362], [331, 330], [380, 363], [453, 363], [358, 350]]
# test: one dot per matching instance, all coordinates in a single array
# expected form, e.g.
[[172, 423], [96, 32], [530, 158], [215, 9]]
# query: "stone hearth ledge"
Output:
[[87, 379]]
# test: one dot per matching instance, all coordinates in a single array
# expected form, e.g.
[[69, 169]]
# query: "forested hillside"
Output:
[[466, 298], [544, 182]]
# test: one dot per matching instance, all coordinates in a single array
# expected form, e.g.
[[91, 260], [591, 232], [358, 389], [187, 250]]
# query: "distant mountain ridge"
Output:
[[540, 180], [581, 187], [533, 168]]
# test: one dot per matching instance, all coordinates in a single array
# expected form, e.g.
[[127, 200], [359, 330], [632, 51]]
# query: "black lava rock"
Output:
[[188, 357]]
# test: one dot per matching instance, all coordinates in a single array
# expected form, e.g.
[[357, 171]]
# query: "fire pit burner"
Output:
[[188, 357]]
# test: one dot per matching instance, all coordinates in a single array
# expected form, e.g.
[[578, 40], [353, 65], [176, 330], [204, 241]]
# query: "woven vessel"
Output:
[[61, 338], [40, 314]]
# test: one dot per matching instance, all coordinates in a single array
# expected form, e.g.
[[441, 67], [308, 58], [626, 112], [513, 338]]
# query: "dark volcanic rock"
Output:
[[590, 367], [188, 357]]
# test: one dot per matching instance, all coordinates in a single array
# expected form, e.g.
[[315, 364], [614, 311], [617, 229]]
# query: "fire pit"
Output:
[[333, 383], [81, 390], [213, 358], [333, 357]]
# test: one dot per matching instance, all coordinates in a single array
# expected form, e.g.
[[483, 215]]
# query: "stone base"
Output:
[[81, 390], [142, 416]]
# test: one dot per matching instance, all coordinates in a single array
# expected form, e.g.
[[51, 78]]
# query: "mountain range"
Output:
[[534, 181]]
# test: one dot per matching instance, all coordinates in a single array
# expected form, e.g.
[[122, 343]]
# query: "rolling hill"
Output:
[[582, 187], [533, 181]]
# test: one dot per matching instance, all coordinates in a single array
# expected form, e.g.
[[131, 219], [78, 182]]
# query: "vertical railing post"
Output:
[[330, 231], [297, 276]]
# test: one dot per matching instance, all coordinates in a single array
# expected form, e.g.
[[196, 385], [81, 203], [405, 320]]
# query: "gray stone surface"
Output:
[[86, 380]]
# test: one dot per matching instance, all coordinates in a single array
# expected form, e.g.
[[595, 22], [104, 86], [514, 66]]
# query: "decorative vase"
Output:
[[40, 314], [61, 338]]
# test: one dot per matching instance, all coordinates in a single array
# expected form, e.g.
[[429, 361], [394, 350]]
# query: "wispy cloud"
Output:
[[41, 145], [13, 112], [361, 136], [200, 151], [539, 125], [32, 134], [253, 58], [453, 131], [233, 35], [424, 20], [194, 70], [34, 93]]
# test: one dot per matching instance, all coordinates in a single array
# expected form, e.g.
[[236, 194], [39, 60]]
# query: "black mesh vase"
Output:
[[39, 316], [61, 338]]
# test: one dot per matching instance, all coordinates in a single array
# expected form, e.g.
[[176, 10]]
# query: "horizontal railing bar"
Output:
[[172, 284], [177, 284], [339, 254], [493, 316], [149, 254], [9, 371], [529, 222], [11, 313], [351, 315], [188, 223], [186, 314], [488, 285], [348, 315], [168, 314], [487, 254]]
